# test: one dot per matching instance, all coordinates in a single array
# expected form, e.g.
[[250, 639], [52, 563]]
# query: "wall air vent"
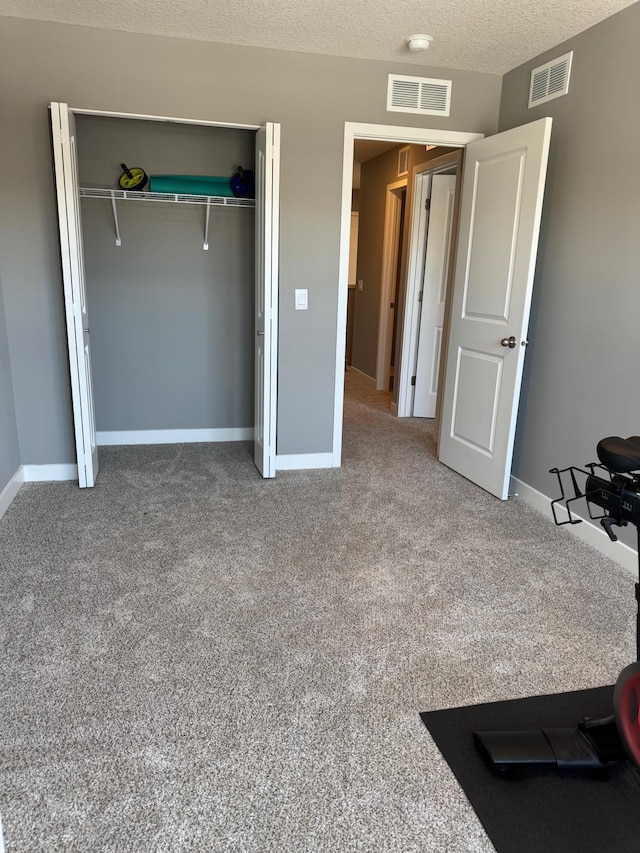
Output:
[[418, 95], [550, 80]]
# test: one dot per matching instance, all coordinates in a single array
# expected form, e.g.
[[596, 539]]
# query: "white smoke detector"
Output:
[[418, 43]]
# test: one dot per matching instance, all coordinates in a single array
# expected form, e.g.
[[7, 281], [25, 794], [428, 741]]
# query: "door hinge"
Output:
[[420, 296], [392, 305], [413, 380], [427, 204]]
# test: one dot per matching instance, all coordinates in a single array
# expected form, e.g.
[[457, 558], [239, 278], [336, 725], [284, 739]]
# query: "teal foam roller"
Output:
[[190, 185]]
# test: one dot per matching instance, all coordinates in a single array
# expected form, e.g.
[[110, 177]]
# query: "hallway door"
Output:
[[434, 291]]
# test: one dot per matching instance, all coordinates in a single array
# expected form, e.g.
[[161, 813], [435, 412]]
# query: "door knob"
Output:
[[509, 342]]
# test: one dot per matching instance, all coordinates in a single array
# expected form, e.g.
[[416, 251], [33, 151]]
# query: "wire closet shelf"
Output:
[[175, 198]]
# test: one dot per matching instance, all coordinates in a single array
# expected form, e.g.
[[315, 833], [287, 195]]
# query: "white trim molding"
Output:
[[372, 379], [590, 533], [35, 474], [165, 119], [303, 461], [11, 490], [173, 436], [50, 473]]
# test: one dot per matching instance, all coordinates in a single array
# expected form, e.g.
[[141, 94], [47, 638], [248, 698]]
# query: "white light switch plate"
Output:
[[301, 300]]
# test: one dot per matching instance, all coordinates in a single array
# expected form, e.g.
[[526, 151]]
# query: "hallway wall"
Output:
[[376, 174]]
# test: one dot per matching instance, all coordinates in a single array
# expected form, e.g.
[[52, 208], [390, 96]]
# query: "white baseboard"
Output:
[[303, 461], [173, 436], [362, 373], [588, 532], [11, 490], [49, 473], [34, 474]]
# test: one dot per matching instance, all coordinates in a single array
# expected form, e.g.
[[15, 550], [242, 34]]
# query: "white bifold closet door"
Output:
[[266, 301], [63, 130]]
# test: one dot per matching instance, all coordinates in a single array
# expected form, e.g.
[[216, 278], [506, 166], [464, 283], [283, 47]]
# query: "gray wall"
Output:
[[9, 449], [312, 97], [171, 324], [581, 379]]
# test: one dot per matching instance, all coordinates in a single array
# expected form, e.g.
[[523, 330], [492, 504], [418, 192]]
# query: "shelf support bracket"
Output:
[[206, 227], [115, 218]]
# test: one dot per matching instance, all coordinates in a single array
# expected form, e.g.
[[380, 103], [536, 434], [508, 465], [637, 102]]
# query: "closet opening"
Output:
[[170, 291]]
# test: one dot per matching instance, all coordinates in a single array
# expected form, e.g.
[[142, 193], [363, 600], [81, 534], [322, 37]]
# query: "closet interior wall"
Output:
[[171, 324]]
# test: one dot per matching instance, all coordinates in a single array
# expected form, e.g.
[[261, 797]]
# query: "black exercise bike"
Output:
[[612, 485]]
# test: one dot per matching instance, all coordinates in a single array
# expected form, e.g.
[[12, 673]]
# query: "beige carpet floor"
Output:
[[197, 659]]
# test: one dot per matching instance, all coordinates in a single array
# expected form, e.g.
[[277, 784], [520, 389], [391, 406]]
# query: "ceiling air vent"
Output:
[[418, 95], [550, 80]]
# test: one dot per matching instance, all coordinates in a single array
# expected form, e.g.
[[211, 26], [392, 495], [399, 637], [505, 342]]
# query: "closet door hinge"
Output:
[[413, 380], [427, 204]]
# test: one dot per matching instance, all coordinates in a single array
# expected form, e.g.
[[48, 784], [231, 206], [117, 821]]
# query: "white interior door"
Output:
[[434, 290], [267, 173], [504, 178], [63, 131]]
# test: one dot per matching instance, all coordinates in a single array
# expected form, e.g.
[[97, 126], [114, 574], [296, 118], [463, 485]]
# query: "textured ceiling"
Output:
[[478, 35]]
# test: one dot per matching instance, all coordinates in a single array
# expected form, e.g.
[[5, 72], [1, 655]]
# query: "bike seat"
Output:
[[620, 455]]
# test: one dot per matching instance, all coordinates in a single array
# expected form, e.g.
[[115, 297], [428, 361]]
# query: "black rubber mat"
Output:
[[541, 810]]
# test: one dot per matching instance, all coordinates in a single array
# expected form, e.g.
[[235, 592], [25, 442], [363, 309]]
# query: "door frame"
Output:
[[390, 251], [383, 133], [272, 376], [422, 174]]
